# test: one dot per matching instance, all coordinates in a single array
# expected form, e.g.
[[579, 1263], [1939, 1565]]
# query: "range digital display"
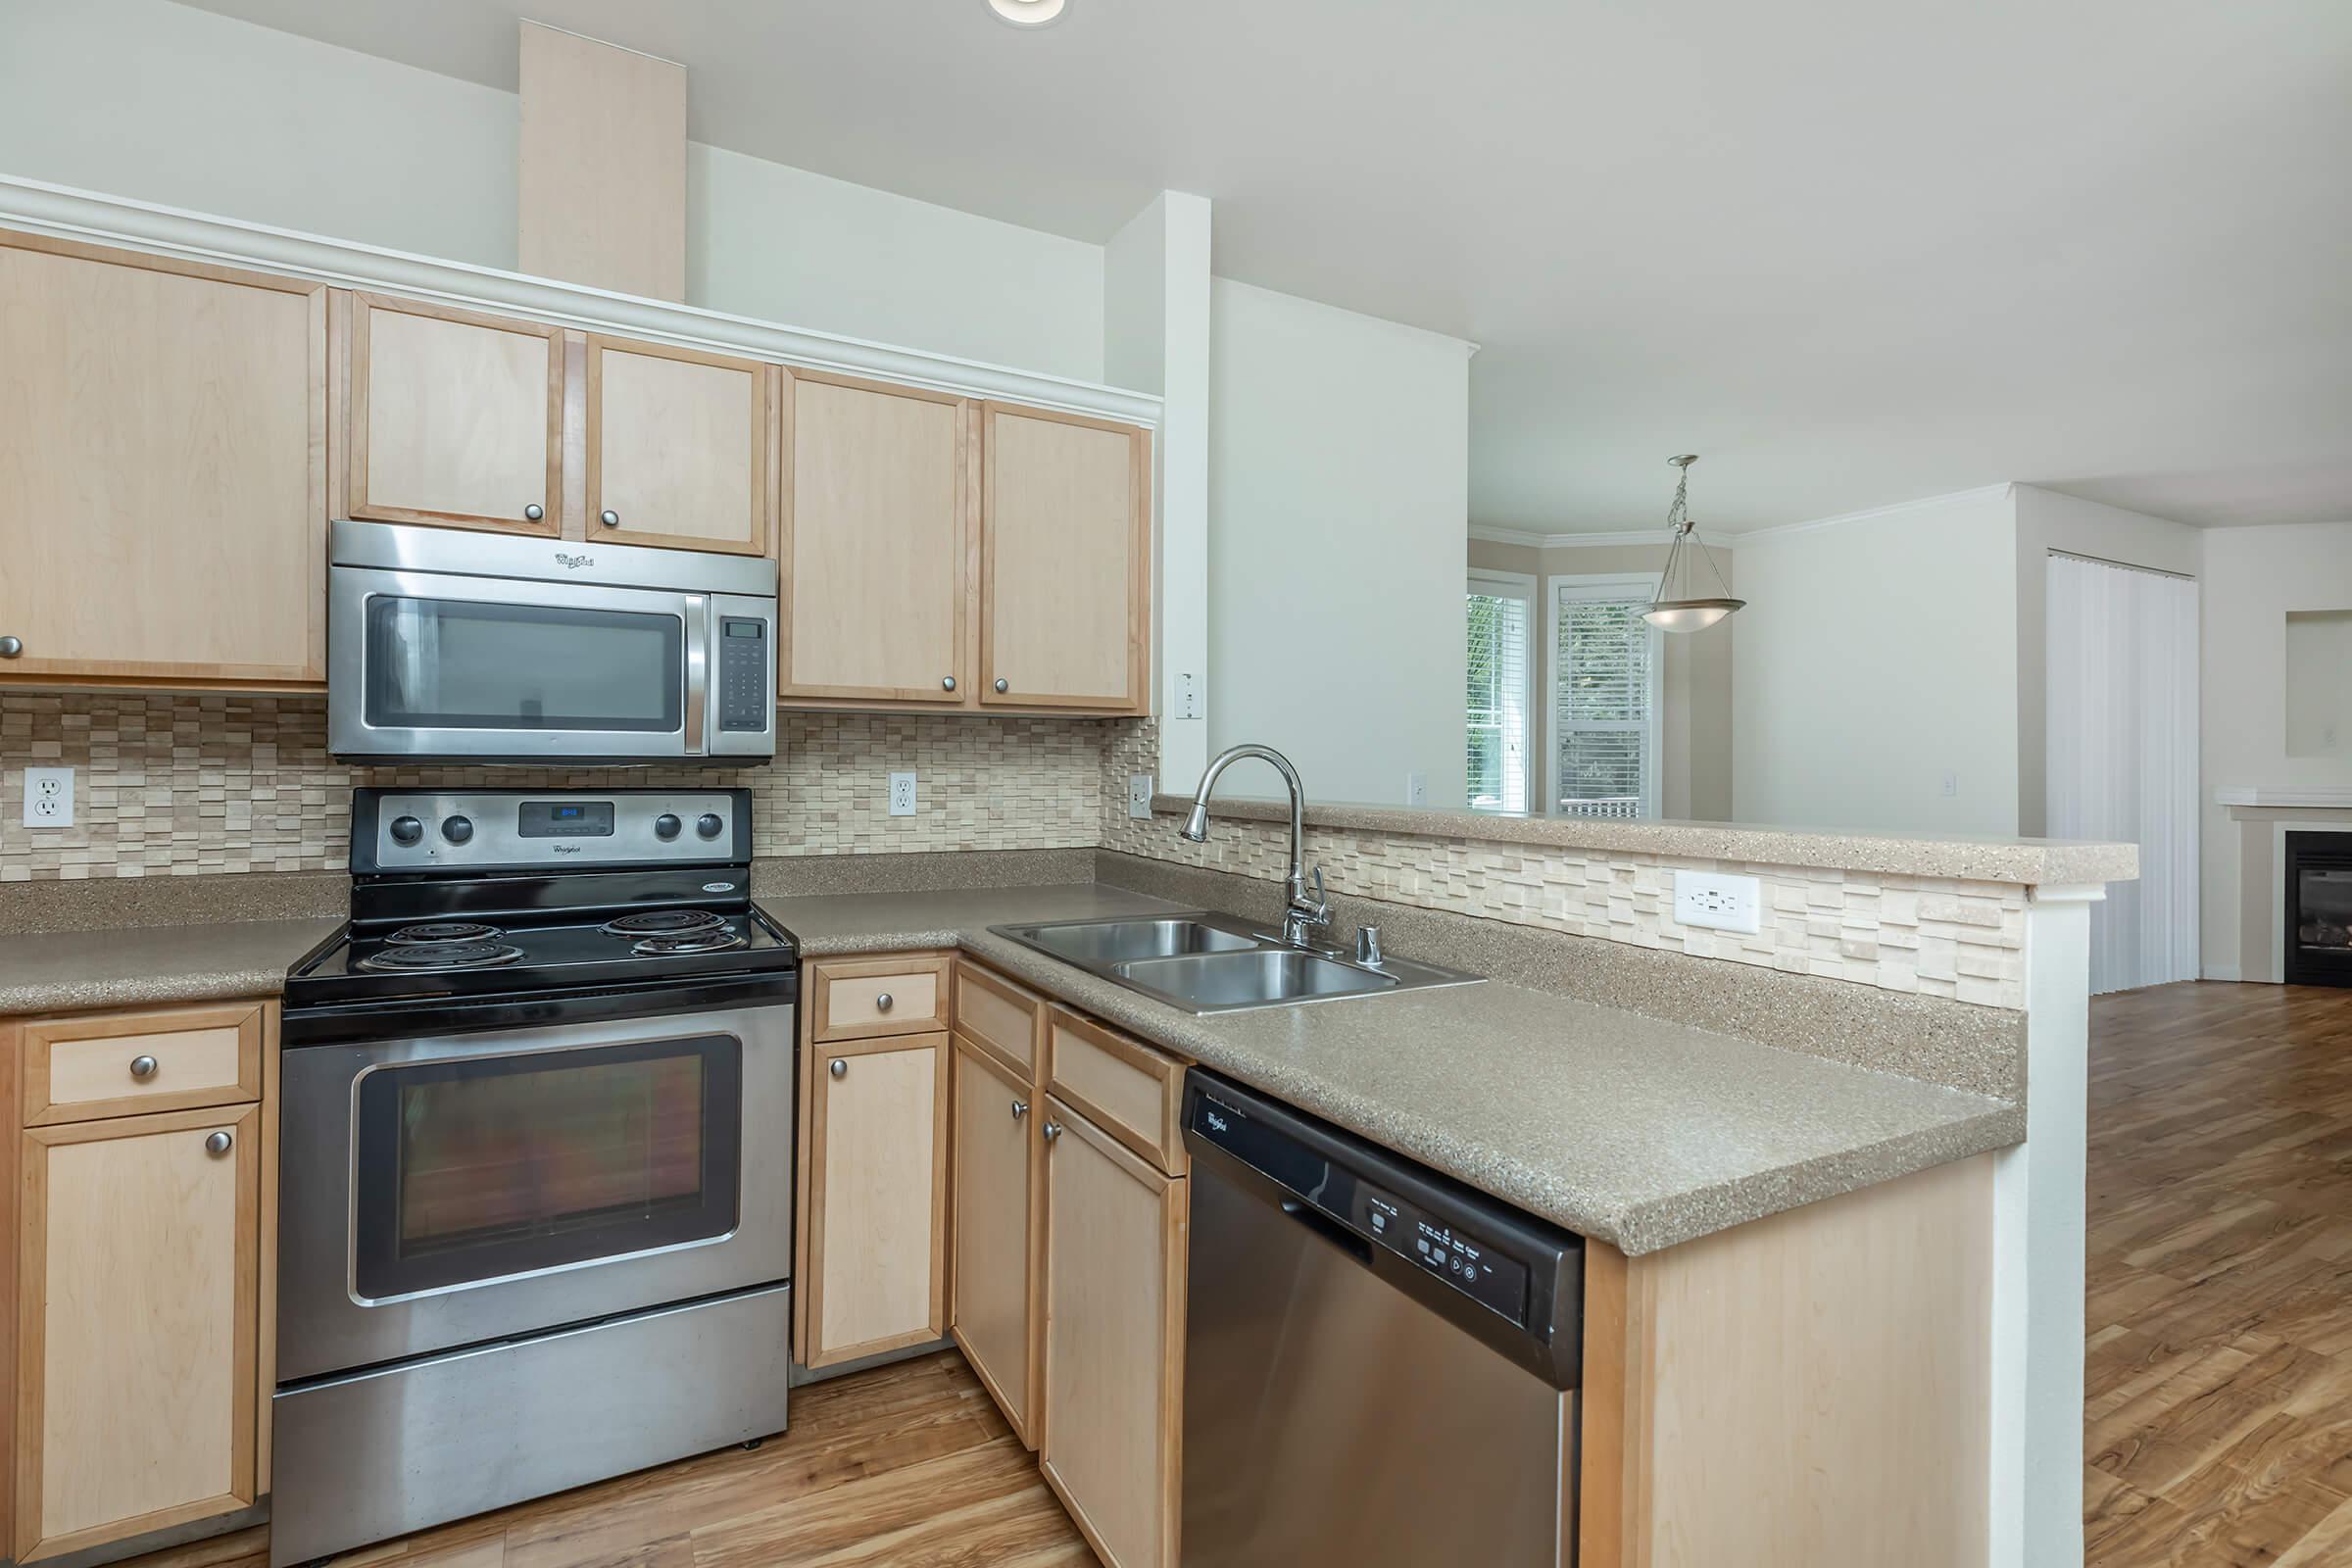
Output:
[[563, 820]]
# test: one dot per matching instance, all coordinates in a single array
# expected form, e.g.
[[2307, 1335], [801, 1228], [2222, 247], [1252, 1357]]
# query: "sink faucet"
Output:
[[1302, 914]]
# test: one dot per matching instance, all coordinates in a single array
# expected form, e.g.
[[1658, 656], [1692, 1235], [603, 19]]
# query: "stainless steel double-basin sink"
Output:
[[1203, 962]]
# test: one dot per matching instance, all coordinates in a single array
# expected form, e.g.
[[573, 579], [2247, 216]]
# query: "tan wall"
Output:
[[1695, 768]]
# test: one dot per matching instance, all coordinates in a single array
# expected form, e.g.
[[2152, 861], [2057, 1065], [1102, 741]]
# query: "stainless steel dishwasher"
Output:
[[1381, 1364]]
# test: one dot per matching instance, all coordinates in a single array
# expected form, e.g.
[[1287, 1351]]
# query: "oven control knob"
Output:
[[708, 824], [407, 830], [457, 829], [666, 827]]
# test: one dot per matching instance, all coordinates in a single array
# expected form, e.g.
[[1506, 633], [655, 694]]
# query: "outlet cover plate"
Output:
[[1717, 900], [1416, 789], [902, 794], [48, 797], [1139, 795]]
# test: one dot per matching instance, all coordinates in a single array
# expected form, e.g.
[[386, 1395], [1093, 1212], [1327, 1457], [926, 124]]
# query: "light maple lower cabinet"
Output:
[[874, 1274], [163, 454], [998, 1200], [1114, 1283]]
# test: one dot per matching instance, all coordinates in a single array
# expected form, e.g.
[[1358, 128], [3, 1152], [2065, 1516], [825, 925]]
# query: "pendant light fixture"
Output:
[[1678, 603]]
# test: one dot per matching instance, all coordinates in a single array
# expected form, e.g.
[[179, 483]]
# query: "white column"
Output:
[[2038, 1229], [1155, 339]]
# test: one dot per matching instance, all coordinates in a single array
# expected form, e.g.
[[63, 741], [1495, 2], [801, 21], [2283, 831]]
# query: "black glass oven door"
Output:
[[474, 1170]]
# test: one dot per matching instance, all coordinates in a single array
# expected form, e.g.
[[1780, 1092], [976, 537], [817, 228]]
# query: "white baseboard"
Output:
[[2222, 971]]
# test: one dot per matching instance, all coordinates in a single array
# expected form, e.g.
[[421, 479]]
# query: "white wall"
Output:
[[2045, 521], [1876, 654], [186, 109], [2251, 578], [1337, 506], [167, 104]]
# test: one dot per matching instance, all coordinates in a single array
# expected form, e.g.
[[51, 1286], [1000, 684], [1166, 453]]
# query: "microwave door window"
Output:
[[435, 663]]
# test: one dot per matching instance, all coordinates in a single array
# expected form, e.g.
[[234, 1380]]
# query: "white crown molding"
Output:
[[1987, 492], [1570, 541], [65, 213], [2320, 796]]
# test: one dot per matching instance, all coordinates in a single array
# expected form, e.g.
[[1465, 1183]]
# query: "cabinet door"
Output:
[[163, 454], [677, 448], [138, 1282], [1066, 562], [454, 417], [877, 1208], [1114, 1341], [997, 1193], [876, 499]]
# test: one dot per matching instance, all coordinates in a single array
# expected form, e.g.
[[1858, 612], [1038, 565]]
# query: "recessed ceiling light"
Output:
[[1029, 13]]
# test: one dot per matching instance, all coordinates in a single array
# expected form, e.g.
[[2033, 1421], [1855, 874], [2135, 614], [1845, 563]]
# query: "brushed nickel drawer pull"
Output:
[[839, 1068], [217, 1144], [142, 1067]]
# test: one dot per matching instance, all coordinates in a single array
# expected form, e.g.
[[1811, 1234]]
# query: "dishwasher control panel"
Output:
[[1385, 1219]]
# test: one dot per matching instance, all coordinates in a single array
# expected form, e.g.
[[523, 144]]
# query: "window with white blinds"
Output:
[[1604, 699], [1499, 616]]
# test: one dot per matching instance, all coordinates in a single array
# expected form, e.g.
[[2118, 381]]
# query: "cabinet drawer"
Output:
[[1132, 1092], [124, 1063], [992, 1011], [857, 998]]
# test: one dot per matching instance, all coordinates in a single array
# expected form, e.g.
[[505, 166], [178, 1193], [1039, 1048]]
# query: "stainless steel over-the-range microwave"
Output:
[[444, 643]]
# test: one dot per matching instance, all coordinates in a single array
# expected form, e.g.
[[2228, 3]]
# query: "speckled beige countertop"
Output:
[[1637, 1131], [2033, 862], [137, 965]]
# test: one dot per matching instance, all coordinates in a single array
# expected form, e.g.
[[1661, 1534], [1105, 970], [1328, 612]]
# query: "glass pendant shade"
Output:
[[1682, 602]]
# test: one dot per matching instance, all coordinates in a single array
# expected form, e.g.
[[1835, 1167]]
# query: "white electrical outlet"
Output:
[[1416, 789], [48, 797], [1717, 901], [1951, 782], [1188, 695], [902, 794], [1139, 795]]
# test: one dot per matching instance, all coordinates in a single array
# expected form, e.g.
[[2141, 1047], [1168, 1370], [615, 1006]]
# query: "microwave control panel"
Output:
[[744, 703]]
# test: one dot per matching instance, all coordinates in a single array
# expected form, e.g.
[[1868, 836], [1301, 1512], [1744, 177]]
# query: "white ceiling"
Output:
[[1852, 251]]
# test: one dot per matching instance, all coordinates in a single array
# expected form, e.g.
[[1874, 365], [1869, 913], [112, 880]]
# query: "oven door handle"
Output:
[[697, 668]]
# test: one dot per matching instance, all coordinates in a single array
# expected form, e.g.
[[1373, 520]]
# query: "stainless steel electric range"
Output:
[[535, 1181]]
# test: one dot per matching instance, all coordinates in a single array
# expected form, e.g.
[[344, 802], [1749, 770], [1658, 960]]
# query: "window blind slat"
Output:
[[1603, 724]]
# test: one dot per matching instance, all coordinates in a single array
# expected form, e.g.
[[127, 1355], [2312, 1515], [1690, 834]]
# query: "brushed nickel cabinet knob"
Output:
[[611, 518], [534, 512], [217, 1144], [1052, 1130], [1003, 684], [11, 646], [1021, 1109], [142, 1066], [839, 1068], [947, 682], [883, 1003]]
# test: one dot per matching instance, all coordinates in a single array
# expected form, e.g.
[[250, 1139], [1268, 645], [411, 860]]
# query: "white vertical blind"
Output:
[[1604, 700], [2122, 753], [1498, 615]]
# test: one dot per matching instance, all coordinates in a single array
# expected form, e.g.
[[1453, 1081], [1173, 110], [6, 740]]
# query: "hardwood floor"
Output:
[[909, 1466], [2218, 1416]]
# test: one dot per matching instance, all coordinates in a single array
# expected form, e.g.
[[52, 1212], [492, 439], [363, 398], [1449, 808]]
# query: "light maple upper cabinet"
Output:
[[163, 454], [997, 1203], [455, 419], [1065, 561], [875, 1277], [1116, 1238], [678, 447], [138, 1249], [877, 493]]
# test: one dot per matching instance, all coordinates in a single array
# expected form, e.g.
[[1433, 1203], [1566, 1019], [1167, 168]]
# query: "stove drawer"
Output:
[[859, 999], [95, 1065]]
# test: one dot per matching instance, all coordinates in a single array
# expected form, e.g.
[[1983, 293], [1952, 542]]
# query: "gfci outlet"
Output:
[[1139, 795], [902, 794], [48, 797], [1714, 900]]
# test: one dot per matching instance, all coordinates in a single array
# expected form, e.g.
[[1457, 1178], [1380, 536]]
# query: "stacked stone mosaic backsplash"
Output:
[[183, 785], [1922, 935]]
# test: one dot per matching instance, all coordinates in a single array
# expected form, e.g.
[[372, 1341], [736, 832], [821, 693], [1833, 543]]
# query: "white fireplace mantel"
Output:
[[2307, 796]]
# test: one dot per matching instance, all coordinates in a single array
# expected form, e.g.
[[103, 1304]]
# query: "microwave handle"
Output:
[[697, 668]]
